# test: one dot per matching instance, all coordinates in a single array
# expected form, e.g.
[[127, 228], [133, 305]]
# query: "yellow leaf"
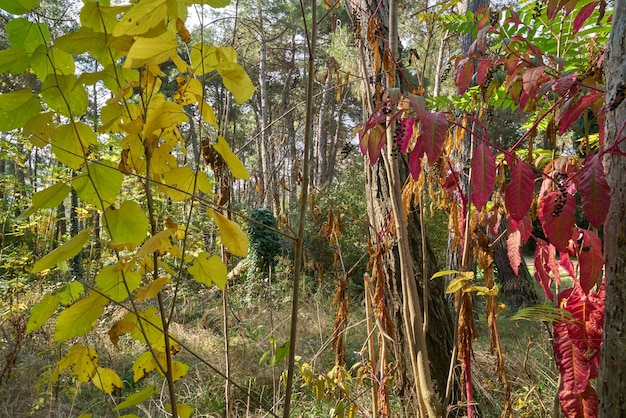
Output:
[[151, 50], [208, 114], [99, 184], [39, 129], [159, 242], [190, 90], [231, 234], [71, 144], [136, 398], [165, 115], [152, 289], [82, 360], [42, 311], [142, 366], [142, 17], [181, 183], [458, 282], [184, 410], [204, 58], [47, 198], [234, 163], [179, 369], [209, 269], [150, 329], [106, 380], [127, 224], [80, 318], [62, 253], [482, 290], [116, 283], [236, 80]]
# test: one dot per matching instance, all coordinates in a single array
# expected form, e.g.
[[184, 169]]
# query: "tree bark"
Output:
[[612, 379]]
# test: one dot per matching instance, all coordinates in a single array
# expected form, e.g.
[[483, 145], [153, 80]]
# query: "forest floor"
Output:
[[258, 317]]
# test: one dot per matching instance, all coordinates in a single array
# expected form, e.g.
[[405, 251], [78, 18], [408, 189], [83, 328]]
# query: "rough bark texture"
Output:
[[612, 380], [440, 330]]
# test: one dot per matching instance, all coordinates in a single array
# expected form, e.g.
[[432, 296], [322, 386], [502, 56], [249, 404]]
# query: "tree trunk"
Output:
[[612, 379], [518, 289], [403, 306]]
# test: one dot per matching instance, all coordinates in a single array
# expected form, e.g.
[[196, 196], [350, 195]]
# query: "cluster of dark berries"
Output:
[[489, 78], [400, 134], [387, 107], [538, 9], [488, 115], [561, 199], [494, 18], [446, 72], [347, 149]]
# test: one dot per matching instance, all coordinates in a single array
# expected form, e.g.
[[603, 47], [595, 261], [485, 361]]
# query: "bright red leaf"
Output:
[[566, 263], [546, 266], [415, 160], [483, 175], [518, 195], [564, 83], [484, 65], [574, 111], [463, 74], [514, 252], [584, 14], [556, 214], [371, 142], [434, 128], [590, 260], [525, 227], [594, 190]]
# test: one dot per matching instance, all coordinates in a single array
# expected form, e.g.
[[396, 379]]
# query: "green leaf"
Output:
[[155, 50], [112, 281], [18, 7], [70, 293], [213, 3], [99, 16], [128, 223], [64, 94], [106, 380], [62, 253], [39, 129], [46, 61], [99, 184], [13, 60], [209, 269], [41, 312], [47, 198], [136, 398], [23, 33], [234, 163], [184, 410], [80, 318], [16, 108], [142, 17], [231, 234], [81, 41], [71, 144], [179, 183]]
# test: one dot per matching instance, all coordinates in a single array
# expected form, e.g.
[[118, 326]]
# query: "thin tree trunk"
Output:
[[612, 379]]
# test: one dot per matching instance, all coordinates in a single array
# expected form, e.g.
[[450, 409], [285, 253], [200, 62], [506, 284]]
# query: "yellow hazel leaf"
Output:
[[62, 253], [209, 269], [234, 163], [233, 237], [106, 380], [80, 318]]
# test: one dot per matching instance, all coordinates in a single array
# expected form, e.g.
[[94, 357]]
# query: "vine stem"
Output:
[[311, 41]]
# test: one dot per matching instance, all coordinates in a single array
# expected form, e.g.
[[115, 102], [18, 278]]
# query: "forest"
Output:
[[261, 208]]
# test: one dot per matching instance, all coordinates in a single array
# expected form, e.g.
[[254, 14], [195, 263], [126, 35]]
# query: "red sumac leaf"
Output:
[[564, 83], [575, 110], [531, 79], [584, 14], [514, 252], [556, 214], [518, 195], [415, 160], [594, 191], [434, 128], [525, 227], [463, 74], [483, 69], [483, 177], [566, 263], [545, 264], [590, 260]]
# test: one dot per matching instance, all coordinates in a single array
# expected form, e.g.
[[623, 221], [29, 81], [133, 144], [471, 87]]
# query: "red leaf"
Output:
[[595, 193], [575, 110], [434, 128], [483, 69], [556, 214], [371, 142], [483, 175], [545, 264], [566, 263], [590, 260], [415, 160], [514, 252], [584, 14], [404, 131], [525, 227], [518, 195], [564, 83], [463, 74], [531, 79]]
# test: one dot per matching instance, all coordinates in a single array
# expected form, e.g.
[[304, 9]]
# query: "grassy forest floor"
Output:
[[257, 315]]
